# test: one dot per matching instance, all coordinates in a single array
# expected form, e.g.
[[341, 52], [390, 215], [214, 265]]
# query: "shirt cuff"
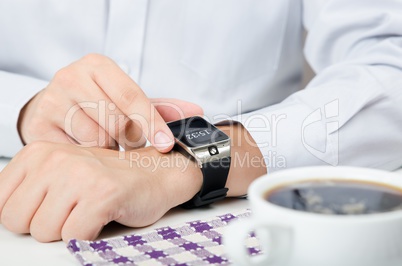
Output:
[[16, 90]]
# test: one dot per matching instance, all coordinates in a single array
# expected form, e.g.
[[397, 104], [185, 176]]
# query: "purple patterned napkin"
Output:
[[192, 243]]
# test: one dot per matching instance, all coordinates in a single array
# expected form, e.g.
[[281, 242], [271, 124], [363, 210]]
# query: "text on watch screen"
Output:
[[194, 132]]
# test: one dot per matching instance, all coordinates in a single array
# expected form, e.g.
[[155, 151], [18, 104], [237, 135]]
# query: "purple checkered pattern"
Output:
[[193, 243]]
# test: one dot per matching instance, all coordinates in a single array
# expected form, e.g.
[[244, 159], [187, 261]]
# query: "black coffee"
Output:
[[339, 197]]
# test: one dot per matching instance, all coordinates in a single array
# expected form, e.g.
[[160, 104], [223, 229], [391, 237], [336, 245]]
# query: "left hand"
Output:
[[61, 191], [93, 103]]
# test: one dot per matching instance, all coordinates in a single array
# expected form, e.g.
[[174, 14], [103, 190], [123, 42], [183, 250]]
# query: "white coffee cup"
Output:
[[298, 238]]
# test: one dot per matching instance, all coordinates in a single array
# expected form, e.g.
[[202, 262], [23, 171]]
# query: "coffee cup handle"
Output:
[[275, 241]]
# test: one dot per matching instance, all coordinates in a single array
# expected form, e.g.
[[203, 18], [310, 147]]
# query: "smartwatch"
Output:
[[210, 148]]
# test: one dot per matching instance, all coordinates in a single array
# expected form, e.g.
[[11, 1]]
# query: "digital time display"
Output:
[[195, 132], [198, 134]]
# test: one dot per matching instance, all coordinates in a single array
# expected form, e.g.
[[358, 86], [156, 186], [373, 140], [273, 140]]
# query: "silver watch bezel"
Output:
[[201, 153]]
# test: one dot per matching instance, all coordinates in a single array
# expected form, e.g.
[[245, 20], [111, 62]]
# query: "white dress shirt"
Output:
[[231, 57]]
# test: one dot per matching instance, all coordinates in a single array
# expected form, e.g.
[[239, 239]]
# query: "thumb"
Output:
[[174, 109]]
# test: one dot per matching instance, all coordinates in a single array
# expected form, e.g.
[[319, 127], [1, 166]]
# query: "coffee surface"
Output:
[[338, 197]]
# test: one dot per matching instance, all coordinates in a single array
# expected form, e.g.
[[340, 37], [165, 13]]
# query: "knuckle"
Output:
[[33, 148], [46, 98], [103, 187], [95, 59], [93, 187], [32, 130], [42, 232], [79, 175], [47, 101], [57, 156], [127, 98], [12, 224], [110, 189], [66, 80], [85, 170], [65, 75]]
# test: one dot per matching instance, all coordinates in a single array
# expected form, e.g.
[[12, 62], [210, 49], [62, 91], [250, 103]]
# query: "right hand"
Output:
[[92, 102], [67, 192]]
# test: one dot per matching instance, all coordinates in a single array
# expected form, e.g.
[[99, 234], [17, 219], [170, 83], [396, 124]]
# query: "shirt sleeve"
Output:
[[351, 112], [15, 91]]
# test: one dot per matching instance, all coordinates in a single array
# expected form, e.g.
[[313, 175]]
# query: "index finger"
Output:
[[133, 102]]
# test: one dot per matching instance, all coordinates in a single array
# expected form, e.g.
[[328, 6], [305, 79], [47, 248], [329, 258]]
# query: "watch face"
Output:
[[195, 132]]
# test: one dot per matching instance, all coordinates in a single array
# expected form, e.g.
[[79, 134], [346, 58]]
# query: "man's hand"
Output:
[[59, 191], [92, 102]]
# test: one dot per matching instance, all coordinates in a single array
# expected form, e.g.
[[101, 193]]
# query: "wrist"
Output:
[[178, 177], [247, 162]]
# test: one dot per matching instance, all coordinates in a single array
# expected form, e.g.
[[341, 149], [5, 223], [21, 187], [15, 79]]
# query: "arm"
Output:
[[247, 162], [72, 192], [351, 112], [90, 102]]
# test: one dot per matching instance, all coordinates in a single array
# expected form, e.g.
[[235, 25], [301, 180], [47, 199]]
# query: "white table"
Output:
[[24, 250]]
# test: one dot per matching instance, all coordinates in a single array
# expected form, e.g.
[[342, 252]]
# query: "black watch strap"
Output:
[[215, 174]]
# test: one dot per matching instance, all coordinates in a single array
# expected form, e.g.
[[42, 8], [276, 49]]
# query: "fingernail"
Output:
[[162, 140]]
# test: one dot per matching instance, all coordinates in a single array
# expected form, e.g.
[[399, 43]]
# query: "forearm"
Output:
[[247, 162], [136, 187]]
